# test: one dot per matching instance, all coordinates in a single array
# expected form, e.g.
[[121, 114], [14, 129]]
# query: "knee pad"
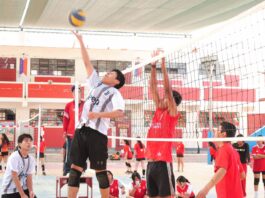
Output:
[[74, 178], [256, 181], [103, 180], [127, 164]]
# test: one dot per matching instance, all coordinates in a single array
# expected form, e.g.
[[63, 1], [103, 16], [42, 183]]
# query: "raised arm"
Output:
[[153, 82], [85, 56], [172, 107]]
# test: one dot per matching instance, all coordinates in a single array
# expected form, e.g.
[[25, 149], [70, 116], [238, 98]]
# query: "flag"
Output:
[[23, 65], [138, 72]]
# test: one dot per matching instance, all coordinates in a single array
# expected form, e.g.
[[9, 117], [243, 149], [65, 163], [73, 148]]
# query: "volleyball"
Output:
[[77, 18]]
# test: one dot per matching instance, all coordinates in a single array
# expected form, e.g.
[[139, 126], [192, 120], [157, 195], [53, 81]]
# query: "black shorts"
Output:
[[91, 144], [160, 179], [4, 153], [140, 159], [258, 172], [16, 195], [180, 155], [41, 155]]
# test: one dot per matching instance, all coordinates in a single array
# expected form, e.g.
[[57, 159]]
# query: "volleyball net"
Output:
[[220, 77]]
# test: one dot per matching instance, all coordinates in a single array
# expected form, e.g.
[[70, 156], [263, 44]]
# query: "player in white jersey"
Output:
[[90, 139], [17, 180]]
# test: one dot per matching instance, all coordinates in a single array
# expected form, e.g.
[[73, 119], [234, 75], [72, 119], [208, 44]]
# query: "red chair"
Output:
[[61, 181]]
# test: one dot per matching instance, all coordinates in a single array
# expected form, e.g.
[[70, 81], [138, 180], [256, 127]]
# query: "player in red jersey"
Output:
[[180, 155], [228, 168], [114, 187], [127, 151], [138, 189], [159, 175], [139, 150], [69, 126], [258, 153], [184, 188]]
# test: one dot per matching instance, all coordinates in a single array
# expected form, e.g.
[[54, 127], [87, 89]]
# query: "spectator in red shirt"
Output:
[[212, 150], [184, 188], [139, 150], [127, 151], [180, 155], [115, 185], [228, 169], [69, 126], [258, 153], [138, 189]]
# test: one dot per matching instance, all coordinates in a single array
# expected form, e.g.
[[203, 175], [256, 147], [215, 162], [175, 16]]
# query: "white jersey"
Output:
[[102, 98], [23, 167]]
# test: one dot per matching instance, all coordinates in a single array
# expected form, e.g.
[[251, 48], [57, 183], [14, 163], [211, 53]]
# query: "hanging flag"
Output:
[[137, 72], [23, 65]]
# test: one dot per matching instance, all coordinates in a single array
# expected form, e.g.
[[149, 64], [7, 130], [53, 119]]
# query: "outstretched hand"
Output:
[[154, 54], [78, 36]]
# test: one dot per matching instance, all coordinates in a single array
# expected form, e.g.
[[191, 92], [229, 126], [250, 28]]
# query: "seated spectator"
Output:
[[138, 189], [115, 185], [183, 188]]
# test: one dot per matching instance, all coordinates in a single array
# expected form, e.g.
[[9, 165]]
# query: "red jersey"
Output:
[[180, 148], [42, 146], [140, 192], [212, 152], [114, 188], [69, 117], [163, 126], [259, 164], [230, 185], [187, 189], [127, 151], [139, 152]]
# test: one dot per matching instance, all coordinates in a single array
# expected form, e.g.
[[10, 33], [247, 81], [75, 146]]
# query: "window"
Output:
[[172, 68], [49, 117], [7, 63], [2, 115], [7, 114], [218, 117], [54, 67], [105, 65], [207, 62]]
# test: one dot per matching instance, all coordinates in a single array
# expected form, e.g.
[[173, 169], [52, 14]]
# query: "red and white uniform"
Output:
[[230, 186], [127, 151], [163, 126], [139, 152], [180, 148], [259, 164], [187, 189], [140, 191], [69, 117], [114, 188]]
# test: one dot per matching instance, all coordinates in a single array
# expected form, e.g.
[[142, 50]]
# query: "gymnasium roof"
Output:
[[168, 16]]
